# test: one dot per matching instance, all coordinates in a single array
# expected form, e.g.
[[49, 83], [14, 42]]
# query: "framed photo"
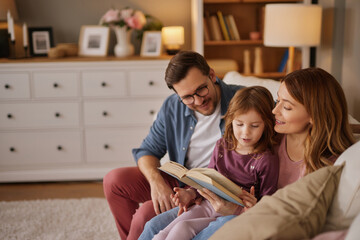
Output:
[[94, 40], [151, 44], [40, 40]]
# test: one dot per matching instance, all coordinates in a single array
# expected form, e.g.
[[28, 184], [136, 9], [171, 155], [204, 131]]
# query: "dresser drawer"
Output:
[[14, 85], [55, 84], [42, 147], [24, 115], [122, 112], [111, 145], [104, 84], [148, 83]]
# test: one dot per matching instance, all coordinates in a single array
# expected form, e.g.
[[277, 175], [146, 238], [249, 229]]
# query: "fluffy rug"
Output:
[[57, 219]]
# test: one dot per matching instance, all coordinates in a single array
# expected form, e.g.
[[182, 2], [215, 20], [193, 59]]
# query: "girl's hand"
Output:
[[249, 199], [183, 198], [220, 205]]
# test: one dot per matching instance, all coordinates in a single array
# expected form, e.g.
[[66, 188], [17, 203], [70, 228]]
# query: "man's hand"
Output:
[[160, 195], [160, 191]]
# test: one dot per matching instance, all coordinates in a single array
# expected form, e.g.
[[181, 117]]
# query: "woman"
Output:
[[311, 116]]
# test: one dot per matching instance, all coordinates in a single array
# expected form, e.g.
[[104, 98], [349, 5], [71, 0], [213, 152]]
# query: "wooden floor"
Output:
[[50, 190]]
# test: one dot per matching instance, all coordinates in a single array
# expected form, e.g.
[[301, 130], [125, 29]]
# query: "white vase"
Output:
[[123, 48]]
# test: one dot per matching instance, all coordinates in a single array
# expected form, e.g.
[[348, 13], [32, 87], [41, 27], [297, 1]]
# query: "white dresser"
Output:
[[75, 120]]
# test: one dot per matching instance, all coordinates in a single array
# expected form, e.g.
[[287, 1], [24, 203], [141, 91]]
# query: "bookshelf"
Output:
[[248, 16]]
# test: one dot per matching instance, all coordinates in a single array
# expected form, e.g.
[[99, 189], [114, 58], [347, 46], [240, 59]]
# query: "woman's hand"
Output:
[[225, 207], [220, 205], [184, 198]]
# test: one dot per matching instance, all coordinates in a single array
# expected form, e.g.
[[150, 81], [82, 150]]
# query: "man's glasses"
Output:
[[200, 92]]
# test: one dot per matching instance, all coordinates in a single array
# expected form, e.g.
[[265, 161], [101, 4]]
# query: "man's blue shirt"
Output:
[[175, 123]]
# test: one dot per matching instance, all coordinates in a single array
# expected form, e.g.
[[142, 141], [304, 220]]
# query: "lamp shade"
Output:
[[173, 35], [296, 25], [6, 5]]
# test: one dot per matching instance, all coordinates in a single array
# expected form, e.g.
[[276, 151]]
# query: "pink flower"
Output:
[[137, 21], [127, 16], [113, 15], [126, 13]]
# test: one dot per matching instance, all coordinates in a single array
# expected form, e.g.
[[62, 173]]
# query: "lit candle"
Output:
[[8, 21], [25, 35]]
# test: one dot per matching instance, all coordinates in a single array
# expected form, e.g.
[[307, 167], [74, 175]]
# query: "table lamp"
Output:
[[292, 25], [173, 38]]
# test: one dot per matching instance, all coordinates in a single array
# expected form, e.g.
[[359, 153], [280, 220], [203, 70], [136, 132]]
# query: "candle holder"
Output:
[[27, 55], [12, 51]]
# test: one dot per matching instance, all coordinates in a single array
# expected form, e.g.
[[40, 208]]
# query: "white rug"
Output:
[[57, 219]]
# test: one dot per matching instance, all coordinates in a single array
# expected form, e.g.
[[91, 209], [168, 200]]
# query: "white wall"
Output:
[[339, 52], [350, 77], [67, 16]]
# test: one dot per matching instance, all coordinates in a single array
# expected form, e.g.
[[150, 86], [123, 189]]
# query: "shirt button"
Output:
[[191, 128], [183, 149]]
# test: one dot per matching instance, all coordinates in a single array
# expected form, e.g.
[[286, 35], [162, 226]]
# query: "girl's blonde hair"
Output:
[[251, 98], [324, 100]]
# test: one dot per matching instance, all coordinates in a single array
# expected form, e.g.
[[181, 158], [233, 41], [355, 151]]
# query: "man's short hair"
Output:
[[180, 65]]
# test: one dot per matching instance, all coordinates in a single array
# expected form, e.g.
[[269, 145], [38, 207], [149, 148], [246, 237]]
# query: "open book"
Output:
[[205, 178]]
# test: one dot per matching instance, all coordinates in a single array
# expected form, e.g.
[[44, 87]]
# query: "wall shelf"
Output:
[[233, 42]]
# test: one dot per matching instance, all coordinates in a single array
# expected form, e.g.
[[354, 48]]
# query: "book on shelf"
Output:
[[214, 26], [205, 178], [223, 25], [206, 31], [233, 27], [284, 59], [228, 26]]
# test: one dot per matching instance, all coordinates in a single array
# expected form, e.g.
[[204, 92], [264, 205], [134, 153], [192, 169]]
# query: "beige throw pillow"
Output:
[[297, 211]]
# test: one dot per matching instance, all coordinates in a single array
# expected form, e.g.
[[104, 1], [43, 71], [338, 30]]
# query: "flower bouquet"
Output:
[[125, 21]]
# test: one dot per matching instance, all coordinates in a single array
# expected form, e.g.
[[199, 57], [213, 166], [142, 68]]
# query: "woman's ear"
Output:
[[311, 121]]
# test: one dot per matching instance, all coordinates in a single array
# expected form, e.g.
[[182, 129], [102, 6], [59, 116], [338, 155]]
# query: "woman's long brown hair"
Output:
[[324, 100]]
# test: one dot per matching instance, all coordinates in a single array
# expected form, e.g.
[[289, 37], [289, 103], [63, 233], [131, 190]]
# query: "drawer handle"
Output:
[[9, 116], [12, 149], [105, 113], [59, 148], [152, 112], [7, 86], [57, 114], [151, 83], [106, 146], [56, 85], [103, 84]]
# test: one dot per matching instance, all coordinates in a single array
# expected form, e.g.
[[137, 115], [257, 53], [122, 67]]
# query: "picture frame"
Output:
[[94, 40], [151, 44], [40, 40]]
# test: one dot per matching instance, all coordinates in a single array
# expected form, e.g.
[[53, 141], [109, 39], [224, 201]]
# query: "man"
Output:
[[187, 127]]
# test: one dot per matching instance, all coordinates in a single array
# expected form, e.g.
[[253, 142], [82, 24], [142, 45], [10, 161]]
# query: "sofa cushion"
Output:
[[346, 204], [247, 81], [297, 211]]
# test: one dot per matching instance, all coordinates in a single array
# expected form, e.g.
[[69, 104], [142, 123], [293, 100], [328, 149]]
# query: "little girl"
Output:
[[244, 155]]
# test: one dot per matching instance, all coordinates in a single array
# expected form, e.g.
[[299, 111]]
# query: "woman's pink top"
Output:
[[289, 171]]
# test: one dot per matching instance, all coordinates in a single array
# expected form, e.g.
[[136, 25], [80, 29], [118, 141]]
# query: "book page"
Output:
[[178, 171], [175, 169], [207, 182], [220, 179]]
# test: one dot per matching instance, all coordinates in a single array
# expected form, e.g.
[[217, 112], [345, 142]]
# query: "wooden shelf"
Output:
[[271, 75], [233, 42], [249, 1]]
